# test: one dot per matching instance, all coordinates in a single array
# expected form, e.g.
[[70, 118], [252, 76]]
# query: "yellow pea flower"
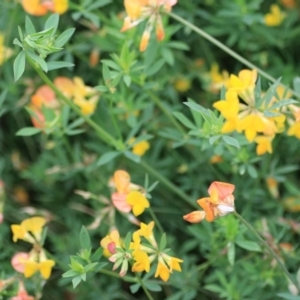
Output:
[[33, 225], [251, 124], [30, 268], [139, 148], [142, 261], [275, 17], [138, 202], [229, 107], [295, 130], [162, 271], [40, 8], [110, 242], [45, 268], [264, 144], [146, 231]]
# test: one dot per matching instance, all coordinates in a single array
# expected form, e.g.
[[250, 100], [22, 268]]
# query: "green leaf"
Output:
[[101, 88], [296, 84], [127, 80], [90, 267], [184, 120], [29, 27], [2, 98], [52, 22], [70, 273], [155, 67], [271, 114], [17, 42], [27, 131], [39, 60], [163, 242], [231, 253], [230, 141], [248, 245], [270, 93], [19, 65], [98, 254], [106, 73], [64, 37], [53, 65], [283, 103], [213, 139], [134, 288], [203, 111], [76, 281], [127, 241], [153, 287], [84, 238], [132, 156], [107, 157]]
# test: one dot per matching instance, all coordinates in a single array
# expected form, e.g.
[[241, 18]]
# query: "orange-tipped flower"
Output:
[[220, 203]]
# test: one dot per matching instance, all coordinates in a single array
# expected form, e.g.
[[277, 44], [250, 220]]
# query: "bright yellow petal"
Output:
[[45, 268]]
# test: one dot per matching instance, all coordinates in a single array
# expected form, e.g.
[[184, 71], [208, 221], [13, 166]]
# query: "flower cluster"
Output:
[[140, 10], [30, 230], [248, 116], [127, 196], [220, 203], [141, 252], [42, 7], [84, 97]]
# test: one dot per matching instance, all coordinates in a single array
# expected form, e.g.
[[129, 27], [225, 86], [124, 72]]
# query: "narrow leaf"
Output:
[[64, 37], [27, 131], [19, 65], [230, 141], [53, 65], [84, 238]]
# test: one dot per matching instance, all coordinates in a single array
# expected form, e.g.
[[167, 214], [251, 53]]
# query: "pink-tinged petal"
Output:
[[224, 189], [18, 260], [111, 247], [119, 201]]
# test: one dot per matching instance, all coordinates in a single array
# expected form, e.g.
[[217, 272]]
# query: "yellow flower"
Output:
[[5, 52], [138, 202], [146, 231], [84, 96], [243, 84], [162, 271], [264, 144], [33, 225], [139, 148], [140, 10], [229, 108], [110, 243], [182, 85], [252, 124], [142, 262], [295, 130], [275, 16], [45, 268], [40, 7], [218, 80]]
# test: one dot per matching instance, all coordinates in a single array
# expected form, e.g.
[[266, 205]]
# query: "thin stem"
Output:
[[271, 251], [101, 132], [113, 274], [157, 222], [228, 50], [143, 287], [167, 113], [168, 184]]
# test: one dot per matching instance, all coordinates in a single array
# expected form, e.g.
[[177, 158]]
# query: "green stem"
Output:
[[167, 113], [271, 251], [168, 184], [153, 215], [101, 132], [228, 50], [113, 274], [143, 287]]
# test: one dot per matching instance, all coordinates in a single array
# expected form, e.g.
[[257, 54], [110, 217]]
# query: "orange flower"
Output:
[[42, 7], [220, 203]]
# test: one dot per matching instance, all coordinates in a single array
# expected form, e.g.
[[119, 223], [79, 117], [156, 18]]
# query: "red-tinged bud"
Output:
[[195, 216], [111, 247], [144, 41], [160, 33]]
